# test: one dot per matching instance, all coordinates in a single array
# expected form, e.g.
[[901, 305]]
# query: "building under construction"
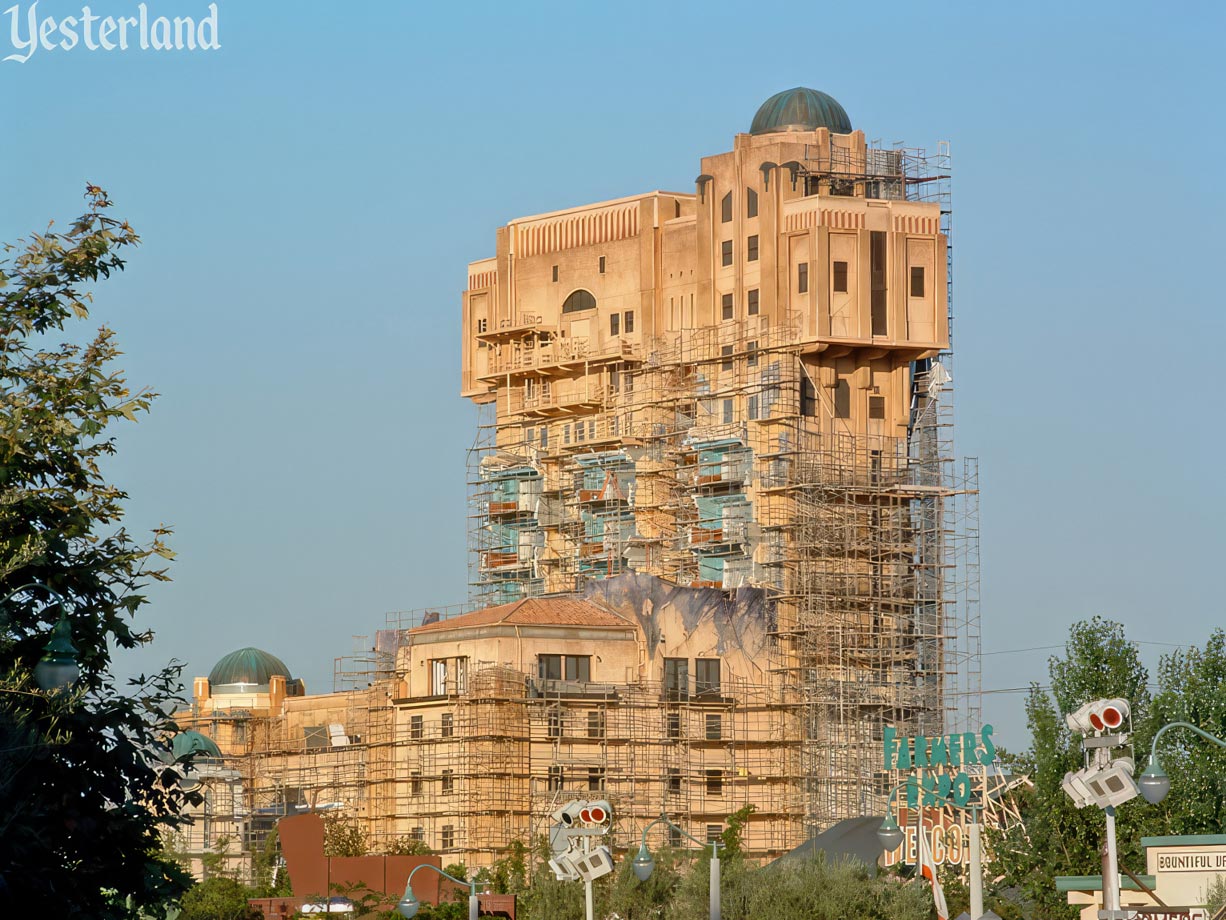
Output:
[[719, 535]]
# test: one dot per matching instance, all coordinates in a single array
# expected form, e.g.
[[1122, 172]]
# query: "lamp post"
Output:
[[57, 669], [891, 837], [408, 905], [1154, 782], [644, 863]]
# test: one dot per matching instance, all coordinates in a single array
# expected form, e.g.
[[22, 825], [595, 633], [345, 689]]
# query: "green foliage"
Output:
[[1190, 686], [343, 837], [1058, 838], [82, 801], [509, 874], [1215, 895], [408, 846], [731, 836], [803, 889], [218, 898], [268, 869]]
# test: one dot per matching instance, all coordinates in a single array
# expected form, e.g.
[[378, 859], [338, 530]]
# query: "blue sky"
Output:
[[310, 194]]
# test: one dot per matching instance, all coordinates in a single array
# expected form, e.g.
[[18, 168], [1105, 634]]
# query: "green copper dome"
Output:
[[189, 742], [800, 109], [251, 666]]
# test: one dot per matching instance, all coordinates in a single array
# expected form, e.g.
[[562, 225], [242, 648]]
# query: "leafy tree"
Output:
[[1059, 839], [218, 898], [343, 837], [408, 846], [508, 875], [83, 797], [1190, 690], [270, 883]]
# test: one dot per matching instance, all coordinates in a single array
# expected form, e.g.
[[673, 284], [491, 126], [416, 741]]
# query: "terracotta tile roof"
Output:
[[534, 611]]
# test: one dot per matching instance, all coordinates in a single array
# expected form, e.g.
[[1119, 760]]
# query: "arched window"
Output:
[[579, 300]]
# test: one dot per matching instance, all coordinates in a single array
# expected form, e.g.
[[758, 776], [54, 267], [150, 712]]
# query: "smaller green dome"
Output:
[[800, 109], [190, 742], [247, 666]]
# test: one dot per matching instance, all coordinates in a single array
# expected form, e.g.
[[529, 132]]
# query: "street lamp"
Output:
[[1154, 782], [408, 905], [890, 836], [644, 863], [57, 669]]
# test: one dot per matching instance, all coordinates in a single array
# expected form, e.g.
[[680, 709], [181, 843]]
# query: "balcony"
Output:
[[556, 356], [502, 561]]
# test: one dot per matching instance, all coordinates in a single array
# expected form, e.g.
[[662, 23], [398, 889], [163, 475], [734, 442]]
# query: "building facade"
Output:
[[719, 539], [746, 386]]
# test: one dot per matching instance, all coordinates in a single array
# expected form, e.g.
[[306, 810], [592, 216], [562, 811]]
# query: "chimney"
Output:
[[276, 692], [200, 689]]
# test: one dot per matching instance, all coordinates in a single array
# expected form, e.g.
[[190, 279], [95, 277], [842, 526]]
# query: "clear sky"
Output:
[[309, 196]]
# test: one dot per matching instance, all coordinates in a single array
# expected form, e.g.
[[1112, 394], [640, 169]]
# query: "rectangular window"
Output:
[[595, 779], [725, 209], [713, 832], [553, 724], [876, 407], [415, 782], [917, 281], [481, 326], [715, 782], [544, 432], [802, 278], [565, 667], [727, 411], [317, 736], [751, 203], [674, 725], [448, 781], [840, 277], [753, 407], [615, 320], [674, 781], [877, 271], [447, 838], [448, 675], [751, 302], [555, 273], [677, 678], [591, 430], [725, 353], [751, 354], [602, 265], [808, 398], [595, 723], [415, 730], [555, 780], [418, 834], [706, 675], [842, 399], [674, 836], [566, 434], [438, 677], [715, 726], [725, 249], [726, 309], [628, 323], [579, 432], [447, 729], [751, 249]]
